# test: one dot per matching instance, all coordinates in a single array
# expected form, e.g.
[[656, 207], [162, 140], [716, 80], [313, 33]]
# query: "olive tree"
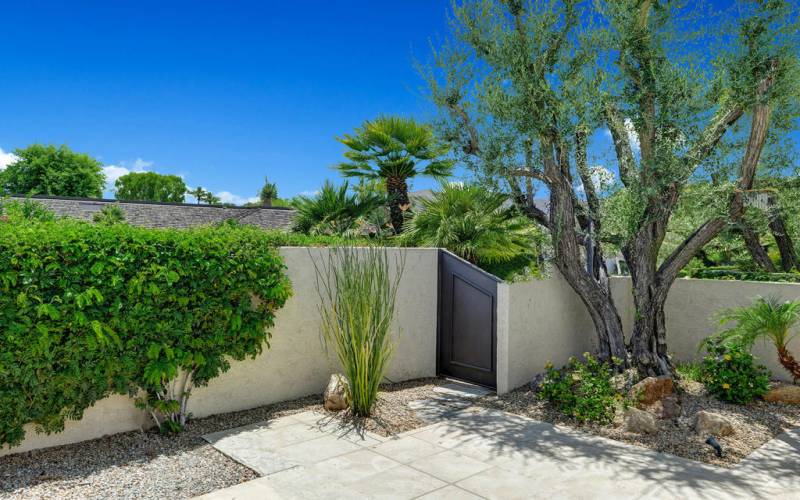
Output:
[[525, 87]]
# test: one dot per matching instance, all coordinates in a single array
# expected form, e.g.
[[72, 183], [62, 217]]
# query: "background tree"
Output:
[[476, 224], [395, 149], [524, 85], [150, 186], [203, 196], [334, 211], [268, 193], [53, 171]]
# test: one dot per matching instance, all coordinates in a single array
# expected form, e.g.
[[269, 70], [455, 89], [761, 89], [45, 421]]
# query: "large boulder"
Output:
[[668, 407], [640, 421], [713, 424], [784, 394], [335, 397], [652, 389]]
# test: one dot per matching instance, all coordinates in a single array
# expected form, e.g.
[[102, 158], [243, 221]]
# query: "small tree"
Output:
[[268, 193], [395, 149], [150, 186], [109, 214], [203, 196], [53, 171]]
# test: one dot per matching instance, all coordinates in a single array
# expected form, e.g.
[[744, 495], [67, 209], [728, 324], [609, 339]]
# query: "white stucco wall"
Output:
[[296, 364], [546, 321]]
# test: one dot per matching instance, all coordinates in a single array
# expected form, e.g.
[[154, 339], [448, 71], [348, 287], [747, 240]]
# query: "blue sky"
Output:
[[222, 93]]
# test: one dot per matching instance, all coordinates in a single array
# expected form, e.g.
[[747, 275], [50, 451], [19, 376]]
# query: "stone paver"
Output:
[[487, 454]]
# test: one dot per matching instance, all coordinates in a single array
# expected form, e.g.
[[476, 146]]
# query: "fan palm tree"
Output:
[[767, 318], [474, 223], [333, 210], [395, 149]]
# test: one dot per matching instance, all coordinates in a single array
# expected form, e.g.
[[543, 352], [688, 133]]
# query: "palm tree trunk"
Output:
[[397, 188], [788, 362]]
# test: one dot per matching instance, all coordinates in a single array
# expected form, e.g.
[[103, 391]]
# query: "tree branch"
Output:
[[622, 145]]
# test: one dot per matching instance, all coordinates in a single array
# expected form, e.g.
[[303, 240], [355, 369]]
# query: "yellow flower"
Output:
[[727, 357], [726, 386]]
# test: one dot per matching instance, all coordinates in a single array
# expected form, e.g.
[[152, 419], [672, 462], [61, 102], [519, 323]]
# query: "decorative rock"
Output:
[[667, 408], [640, 421], [335, 396], [713, 424], [784, 394], [651, 389]]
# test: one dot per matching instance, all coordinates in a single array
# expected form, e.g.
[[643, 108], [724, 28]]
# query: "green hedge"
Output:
[[87, 310], [723, 273]]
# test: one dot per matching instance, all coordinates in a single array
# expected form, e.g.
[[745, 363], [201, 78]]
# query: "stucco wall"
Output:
[[692, 306], [544, 320], [296, 363]]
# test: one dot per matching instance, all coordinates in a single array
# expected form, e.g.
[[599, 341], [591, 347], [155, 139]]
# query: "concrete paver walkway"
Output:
[[486, 454]]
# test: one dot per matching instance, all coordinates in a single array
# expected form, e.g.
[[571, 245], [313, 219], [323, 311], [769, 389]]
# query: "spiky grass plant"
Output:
[[358, 289]]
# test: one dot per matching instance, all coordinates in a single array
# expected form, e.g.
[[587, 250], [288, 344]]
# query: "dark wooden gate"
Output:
[[467, 340]]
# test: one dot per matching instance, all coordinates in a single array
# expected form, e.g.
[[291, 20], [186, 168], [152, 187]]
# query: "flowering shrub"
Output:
[[731, 374], [582, 390]]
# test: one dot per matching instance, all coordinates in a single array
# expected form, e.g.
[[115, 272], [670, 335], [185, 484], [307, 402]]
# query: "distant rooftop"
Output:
[[174, 215]]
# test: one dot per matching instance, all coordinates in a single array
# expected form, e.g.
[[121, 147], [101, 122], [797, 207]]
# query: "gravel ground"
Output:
[[150, 465], [755, 423]]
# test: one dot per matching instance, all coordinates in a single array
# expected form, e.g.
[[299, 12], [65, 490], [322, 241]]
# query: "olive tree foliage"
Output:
[[524, 87]]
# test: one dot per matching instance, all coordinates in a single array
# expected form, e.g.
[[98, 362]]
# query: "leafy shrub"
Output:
[[727, 273], [89, 310], [109, 214], [731, 374], [358, 288], [27, 210], [582, 390]]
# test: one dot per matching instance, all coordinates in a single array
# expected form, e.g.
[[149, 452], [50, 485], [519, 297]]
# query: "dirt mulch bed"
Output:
[[151, 465], [754, 424]]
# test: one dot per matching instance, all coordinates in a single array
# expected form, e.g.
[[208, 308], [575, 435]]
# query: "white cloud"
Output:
[[6, 159], [228, 197], [633, 137], [114, 172]]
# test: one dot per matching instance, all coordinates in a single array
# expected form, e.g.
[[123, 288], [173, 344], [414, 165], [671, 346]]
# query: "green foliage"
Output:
[[53, 171], [690, 370], [334, 211], [203, 196], [109, 214], [358, 288], [394, 147], [16, 211], [729, 273], [268, 193], [731, 374], [89, 310], [150, 186], [582, 390], [477, 224], [768, 318]]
